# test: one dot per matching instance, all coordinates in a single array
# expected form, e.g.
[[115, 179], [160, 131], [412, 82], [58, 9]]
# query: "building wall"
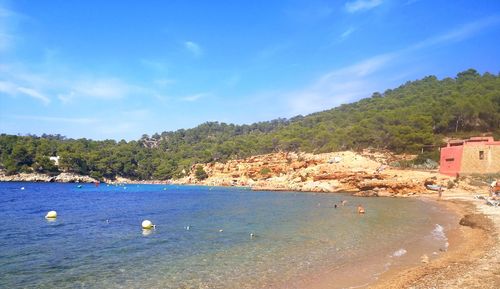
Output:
[[472, 164], [450, 160]]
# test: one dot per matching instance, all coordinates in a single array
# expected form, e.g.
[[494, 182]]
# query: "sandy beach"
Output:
[[473, 260]]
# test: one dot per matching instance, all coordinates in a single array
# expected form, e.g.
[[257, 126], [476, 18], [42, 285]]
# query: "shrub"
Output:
[[265, 171], [200, 173]]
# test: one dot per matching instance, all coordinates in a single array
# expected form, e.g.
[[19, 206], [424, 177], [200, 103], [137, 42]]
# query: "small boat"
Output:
[[434, 187]]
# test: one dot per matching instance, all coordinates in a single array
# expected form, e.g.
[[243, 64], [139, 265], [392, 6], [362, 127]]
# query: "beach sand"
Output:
[[473, 260]]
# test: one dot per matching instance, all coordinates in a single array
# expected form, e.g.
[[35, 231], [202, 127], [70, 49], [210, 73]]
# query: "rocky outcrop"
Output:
[[365, 174], [35, 177]]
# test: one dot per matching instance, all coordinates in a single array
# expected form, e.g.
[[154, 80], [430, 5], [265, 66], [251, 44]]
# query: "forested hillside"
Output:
[[413, 116]]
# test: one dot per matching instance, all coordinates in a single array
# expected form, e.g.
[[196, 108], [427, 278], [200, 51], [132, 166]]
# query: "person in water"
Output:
[[335, 206], [344, 202], [361, 210]]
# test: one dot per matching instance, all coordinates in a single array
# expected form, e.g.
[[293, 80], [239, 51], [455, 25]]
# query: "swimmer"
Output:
[[361, 210], [344, 202], [335, 206]]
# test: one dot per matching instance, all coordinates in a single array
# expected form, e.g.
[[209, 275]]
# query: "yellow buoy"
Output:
[[51, 215], [147, 224]]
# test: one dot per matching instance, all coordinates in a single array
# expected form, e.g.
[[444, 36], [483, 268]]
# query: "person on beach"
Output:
[[440, 193], [361, 210], [492, 188]]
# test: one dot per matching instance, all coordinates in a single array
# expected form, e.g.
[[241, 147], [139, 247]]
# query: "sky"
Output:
[[121, 69]]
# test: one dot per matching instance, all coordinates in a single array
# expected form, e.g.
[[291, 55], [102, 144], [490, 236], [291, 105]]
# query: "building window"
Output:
[[450, 159], [481, 155]]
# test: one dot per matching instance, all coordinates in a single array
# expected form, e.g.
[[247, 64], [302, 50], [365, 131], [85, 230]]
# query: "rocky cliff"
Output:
[[366, 174], [34, 177]]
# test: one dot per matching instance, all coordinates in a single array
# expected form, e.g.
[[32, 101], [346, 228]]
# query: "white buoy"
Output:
[[51, 215], [188, 227], [252, 235], [22, 188], [146, 232], [147, 225], [220, 231]]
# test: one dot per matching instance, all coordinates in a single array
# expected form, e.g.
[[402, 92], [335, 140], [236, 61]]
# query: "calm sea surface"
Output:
[[97, 241]]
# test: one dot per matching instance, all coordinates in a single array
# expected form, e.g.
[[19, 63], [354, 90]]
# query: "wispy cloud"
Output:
[[12, 89], [16, 80], [75, 120], [105, 88], [358, 80], [361, 5], [311, 13], [339, 86], [463, 32], [194, 97], [346, 33], [35, 94], [156, 65], [194, 48], [409, 2], [6, 36]]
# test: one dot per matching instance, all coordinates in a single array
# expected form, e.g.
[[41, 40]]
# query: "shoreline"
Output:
[[473, 258]]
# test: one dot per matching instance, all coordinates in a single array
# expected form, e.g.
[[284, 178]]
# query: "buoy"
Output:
[[252, 235], [22, 188], [147, 225], [79, 186], [220, 231], [188, 227], [51, 215], [146, 232]]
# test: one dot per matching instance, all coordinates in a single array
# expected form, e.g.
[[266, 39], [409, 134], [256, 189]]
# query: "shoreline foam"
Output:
[[472, 260]]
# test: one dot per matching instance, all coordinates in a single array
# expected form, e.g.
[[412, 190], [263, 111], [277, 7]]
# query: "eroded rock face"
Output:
[[34, 177], [365, 173]]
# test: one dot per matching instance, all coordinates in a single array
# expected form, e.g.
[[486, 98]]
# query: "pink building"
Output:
[[477, 155]]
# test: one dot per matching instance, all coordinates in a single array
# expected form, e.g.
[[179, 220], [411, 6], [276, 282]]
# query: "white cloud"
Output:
[[461, 33], [7, 88], [111, 88], [310, 13], [358, 80], [194, 97], [339, 86], [360, 5], [75, 120], [164, 82], [34, 93], [194, 48], [346, 33], [12, 89], [6, 37], [154, 64]]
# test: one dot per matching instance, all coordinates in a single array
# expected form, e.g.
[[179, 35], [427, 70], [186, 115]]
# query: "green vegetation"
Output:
[[265, 171], [411, 118], [200, 173]]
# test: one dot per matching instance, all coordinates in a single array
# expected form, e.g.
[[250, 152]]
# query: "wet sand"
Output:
[[472, 259], [471, 262]]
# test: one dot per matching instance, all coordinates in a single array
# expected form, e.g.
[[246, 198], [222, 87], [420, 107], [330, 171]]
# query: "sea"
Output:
[[208, 237]]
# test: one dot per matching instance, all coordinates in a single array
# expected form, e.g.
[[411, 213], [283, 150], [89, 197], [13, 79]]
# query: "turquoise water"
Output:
[[97, 241]]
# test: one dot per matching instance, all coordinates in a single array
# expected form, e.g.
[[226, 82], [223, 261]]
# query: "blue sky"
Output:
[[118, 69]]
